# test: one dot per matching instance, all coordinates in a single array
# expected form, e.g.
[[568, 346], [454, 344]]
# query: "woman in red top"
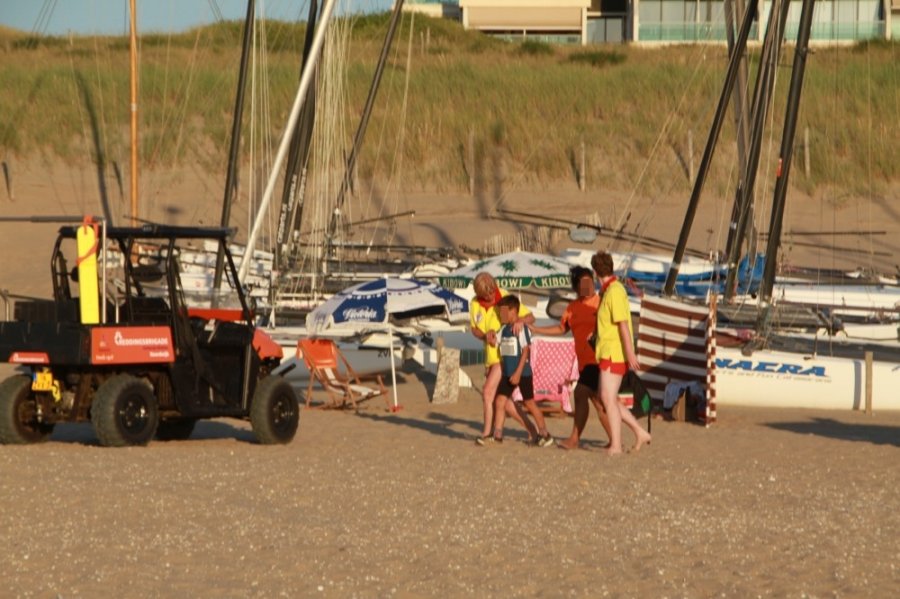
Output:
[[580, 317]]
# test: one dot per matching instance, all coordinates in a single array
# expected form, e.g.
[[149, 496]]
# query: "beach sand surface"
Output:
[[374, 503], [785, 503]]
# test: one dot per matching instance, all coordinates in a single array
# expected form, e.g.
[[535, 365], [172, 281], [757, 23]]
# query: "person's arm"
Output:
[[489, 337], [523, 359], [552, 330], [524, 319], [475, 320], [628, 345]]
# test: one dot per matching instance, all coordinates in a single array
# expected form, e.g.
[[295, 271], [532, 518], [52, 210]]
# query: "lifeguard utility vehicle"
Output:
[[119, 345]]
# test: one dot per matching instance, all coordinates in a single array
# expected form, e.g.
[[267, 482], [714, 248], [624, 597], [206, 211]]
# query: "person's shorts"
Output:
[[526, 387], [590, 376], [620, 368]]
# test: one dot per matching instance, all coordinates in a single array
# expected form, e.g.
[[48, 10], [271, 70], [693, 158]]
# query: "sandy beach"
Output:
[[784, 503]]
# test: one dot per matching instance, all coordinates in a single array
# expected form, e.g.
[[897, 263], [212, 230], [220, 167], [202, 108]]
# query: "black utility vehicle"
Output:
[[152, 363]]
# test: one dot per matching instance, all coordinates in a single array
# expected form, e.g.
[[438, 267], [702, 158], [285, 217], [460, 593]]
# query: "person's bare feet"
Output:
[[568, 444], [643, 439]]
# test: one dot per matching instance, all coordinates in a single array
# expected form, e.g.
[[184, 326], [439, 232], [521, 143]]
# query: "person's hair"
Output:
[[483, 284], [510, 301], [577, 273], [602, 263]]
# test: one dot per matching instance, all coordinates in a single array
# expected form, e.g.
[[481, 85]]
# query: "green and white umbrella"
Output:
[[514, 270]]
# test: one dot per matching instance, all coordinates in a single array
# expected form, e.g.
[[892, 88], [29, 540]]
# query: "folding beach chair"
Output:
[[555, 370], [328, 366]]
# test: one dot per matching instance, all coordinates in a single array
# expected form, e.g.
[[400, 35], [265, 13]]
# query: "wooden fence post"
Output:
[[7, 176], [690, 155], [869, 358], [471, 165], [806, 151], [582, 184]]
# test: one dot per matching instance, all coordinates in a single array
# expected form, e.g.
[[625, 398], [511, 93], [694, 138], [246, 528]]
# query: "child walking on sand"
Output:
[[514, 351]]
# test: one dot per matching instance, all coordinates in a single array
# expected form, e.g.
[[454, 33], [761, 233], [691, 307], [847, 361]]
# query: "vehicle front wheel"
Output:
[[274, 413], [124, 412], [18, 413]]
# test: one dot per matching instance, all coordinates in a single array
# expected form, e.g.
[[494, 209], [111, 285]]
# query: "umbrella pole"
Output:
[[393, 367]]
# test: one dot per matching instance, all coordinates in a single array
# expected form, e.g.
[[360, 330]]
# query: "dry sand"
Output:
[[765, 502], [784, 503]]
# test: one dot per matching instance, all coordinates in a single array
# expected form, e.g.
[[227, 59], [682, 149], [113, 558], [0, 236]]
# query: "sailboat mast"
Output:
[[298, 155], [786, 154], [719, 118], [364, 120], [231, 176], [278, 162], [134, 115], [762, 97]]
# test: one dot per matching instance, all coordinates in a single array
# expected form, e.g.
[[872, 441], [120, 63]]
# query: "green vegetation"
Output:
[[536, 48], [598, 58], [528, 106]]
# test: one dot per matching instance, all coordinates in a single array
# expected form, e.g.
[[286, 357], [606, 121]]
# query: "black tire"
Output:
[[124, 412], [177, 429], [274, 413], [18, 425]]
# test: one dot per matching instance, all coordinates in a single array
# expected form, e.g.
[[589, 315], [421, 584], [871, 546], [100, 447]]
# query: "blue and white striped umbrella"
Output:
[[374, 305]]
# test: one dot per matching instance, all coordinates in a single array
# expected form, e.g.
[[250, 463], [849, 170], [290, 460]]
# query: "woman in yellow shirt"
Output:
[[485, 324], [615, 353]]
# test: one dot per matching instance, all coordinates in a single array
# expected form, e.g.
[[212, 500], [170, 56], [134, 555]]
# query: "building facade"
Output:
[[560, 21], [660, 21]]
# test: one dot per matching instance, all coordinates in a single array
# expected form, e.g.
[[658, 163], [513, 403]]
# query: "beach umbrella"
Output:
[[381, 304], [513, 270]]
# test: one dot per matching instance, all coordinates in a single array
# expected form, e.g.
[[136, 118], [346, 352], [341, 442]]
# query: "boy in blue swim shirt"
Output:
[[514, 351]]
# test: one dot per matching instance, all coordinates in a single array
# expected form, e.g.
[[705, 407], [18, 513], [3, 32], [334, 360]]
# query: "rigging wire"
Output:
[[217, 12], [397, 165], [701, 52], [42, 22], [387, 89]]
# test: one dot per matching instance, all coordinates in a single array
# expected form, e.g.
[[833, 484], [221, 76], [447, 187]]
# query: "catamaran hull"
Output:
[[788, 380]]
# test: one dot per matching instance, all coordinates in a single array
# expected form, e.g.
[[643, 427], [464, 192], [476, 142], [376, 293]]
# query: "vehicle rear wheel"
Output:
[[18, 413], [124, 412], [274, 413], [176, 429]]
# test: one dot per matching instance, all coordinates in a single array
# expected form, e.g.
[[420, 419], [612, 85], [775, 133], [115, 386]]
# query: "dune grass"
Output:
[[528, 107]]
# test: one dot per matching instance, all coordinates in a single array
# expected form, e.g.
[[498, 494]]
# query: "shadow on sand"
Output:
[[436, 424], [83, 433], [833, 429]]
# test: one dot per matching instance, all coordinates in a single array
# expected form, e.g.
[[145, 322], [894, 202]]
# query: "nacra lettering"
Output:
[[774, 367]]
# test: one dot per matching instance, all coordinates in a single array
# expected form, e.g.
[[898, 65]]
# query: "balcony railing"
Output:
[[715, 32]]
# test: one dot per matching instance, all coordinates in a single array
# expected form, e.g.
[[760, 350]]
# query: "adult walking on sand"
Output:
[[484, 320], [580, 317], [615, 353]]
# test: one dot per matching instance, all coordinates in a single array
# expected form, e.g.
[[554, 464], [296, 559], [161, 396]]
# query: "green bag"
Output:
[[643, 403]]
